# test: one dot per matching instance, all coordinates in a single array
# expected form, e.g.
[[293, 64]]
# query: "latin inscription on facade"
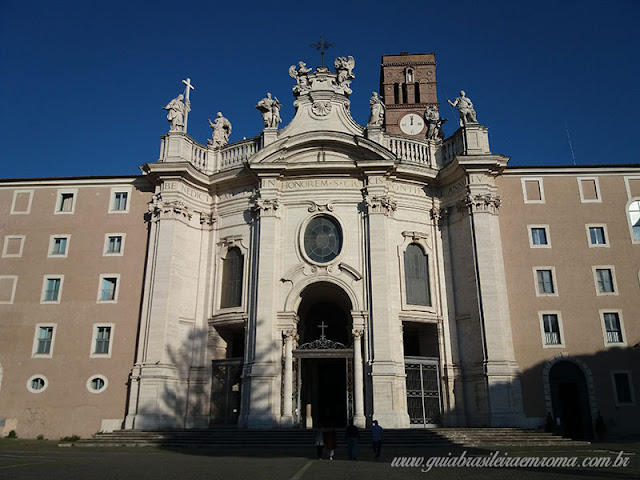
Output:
[[188, 191]]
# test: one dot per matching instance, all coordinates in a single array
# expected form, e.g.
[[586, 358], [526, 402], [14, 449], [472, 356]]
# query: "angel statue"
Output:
[[177, 109], [270, 108], [301, 77], [221, 131], [344, 68]]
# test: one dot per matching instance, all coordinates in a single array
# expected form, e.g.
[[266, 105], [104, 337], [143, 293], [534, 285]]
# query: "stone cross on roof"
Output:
[[188, 88]]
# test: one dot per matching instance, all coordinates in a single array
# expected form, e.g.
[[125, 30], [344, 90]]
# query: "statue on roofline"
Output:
[[465, 109], [177, 109], [434, 123], [376, 119], [301, 77], [270, 109], [221, 131]]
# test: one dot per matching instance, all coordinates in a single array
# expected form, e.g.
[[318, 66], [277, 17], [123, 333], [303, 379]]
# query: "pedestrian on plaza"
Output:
[[329, 437], [352, 435], [319, 442], [377, 439]]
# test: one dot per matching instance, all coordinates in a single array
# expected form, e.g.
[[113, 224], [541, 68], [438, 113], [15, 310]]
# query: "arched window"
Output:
[[634, 219], [232, 266], [409, 75], [416, 276]]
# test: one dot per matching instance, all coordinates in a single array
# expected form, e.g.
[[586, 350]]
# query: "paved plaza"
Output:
[[31, 459]]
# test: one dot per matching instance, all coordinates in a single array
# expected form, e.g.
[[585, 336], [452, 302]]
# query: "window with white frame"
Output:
[[13, 246], [8, 285], [597, 235], [21, 204], [532, 190], [612, 328], [232, 275], [120, 199], [43, 340], [52, 288], [634, 220], [622, 387], [102, 340], [97, 383], [589, 190], [539, 236], [59, 245], [605, 280], [114, 244], [545, 281], [66, 202], [37, 383], [551, 329], [108, 292]]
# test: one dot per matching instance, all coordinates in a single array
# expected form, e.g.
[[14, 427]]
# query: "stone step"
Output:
[[232, 437]]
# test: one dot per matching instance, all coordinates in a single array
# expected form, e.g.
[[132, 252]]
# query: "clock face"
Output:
[[411, 124]]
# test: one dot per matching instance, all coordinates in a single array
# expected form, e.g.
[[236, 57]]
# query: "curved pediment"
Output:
[[327, 147]]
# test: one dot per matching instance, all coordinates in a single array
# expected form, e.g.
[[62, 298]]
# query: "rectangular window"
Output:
[[59, 246], [623, 388], [108, 291], [66, 202], [13, 245], [8, 288], [21, 202], [114, 244], [532, 190], [604, 279], [612, 327], [52, 290], [539, 236], [120, 201], [545, 281], [596, 236], [589, 190], [45, 336], [551, 329], [103, 337]]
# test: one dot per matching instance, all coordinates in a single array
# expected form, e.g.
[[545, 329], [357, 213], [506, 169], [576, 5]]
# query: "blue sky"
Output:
[[84, 83]]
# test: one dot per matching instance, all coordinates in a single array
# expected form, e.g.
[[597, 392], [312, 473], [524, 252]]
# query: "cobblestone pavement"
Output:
[[32, 459]]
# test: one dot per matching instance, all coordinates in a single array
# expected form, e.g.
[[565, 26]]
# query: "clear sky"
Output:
[[84, 82]]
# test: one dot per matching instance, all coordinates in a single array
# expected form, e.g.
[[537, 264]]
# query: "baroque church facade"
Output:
[[328, 271]]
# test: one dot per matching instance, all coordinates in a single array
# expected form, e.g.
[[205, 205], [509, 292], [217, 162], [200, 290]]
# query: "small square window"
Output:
[[13, 246], [120, 201], [605, 281], [114, 244], [612, 327], [52, 290], [8, 285], [539, 236], [597, 236], [66, 202], [589, 190], [45, 335], [545, 281], [59, 245], [532, 190], [108, 291], [103, 337], [22, 200]]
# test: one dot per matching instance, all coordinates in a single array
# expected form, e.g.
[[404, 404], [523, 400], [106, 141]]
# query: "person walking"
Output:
[[319, 442], [352, 435], [329, 437], [377, 439]]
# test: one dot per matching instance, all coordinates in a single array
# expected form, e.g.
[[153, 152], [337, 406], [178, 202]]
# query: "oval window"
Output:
[[322, 239]]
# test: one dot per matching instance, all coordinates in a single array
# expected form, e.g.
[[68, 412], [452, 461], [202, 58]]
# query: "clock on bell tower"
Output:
[[408, 86]]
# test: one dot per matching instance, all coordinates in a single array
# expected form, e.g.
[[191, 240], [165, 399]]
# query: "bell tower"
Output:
[[408, 86]]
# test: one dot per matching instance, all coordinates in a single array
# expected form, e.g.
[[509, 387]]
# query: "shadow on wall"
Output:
[[576, 389]]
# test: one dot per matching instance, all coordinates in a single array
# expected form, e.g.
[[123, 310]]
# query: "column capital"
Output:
[[383, 204], [486, 203], [290, 335], [357, 333]]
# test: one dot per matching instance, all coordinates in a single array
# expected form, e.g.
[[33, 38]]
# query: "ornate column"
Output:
[[358, 388], [286, 420]]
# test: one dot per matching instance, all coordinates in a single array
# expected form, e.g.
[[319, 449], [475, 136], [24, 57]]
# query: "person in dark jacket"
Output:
[[352, 434]]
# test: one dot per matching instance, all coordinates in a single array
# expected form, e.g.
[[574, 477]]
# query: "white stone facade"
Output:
[[385, 193]]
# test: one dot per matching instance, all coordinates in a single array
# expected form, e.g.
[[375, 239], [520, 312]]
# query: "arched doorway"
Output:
[[570, 400], [324, 358]]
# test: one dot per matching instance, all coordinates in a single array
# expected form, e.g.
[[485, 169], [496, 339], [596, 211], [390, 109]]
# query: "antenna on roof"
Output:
[[570, 144]]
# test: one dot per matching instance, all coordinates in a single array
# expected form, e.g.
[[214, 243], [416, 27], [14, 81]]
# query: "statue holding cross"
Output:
[[179, 109]]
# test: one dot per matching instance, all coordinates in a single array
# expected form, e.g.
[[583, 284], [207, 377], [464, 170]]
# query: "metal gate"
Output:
[[226, 391], [423, 390]]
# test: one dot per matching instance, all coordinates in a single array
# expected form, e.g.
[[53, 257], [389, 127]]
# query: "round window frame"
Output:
[[32, 378], [303, 230], [101, 377]]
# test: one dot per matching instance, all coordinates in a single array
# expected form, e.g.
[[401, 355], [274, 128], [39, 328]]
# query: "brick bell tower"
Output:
[[408, 86]]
